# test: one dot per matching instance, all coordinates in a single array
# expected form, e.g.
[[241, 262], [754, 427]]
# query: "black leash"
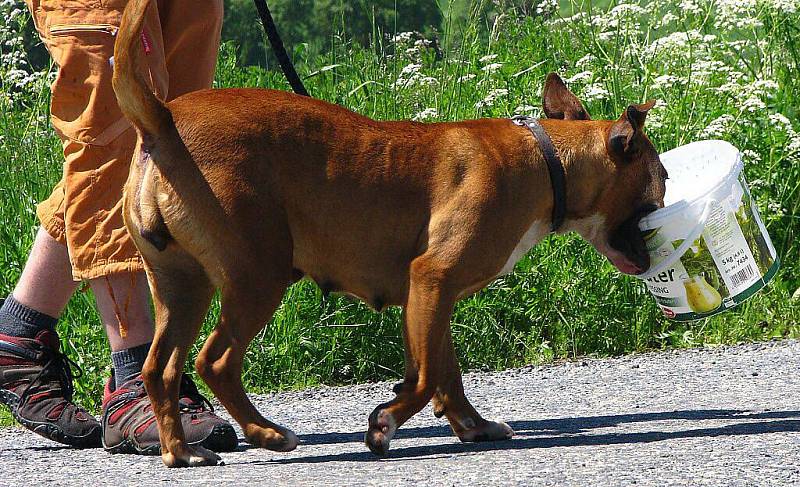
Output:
[[558, 178], [280, 51]]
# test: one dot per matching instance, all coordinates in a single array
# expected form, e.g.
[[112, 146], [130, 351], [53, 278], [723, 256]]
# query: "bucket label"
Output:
[[730, 261], [730, 250]]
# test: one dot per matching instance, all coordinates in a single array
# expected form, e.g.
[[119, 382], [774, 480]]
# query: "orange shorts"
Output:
[[181, 41]]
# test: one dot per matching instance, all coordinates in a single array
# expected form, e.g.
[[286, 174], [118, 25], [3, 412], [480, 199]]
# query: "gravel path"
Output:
[[724, 416]]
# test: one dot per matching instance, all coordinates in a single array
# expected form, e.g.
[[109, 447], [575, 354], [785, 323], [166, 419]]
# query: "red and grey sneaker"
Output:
[[129, 424], [36, 384]]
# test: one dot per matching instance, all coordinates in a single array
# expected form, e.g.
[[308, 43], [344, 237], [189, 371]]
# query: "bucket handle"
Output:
[[682, 248]]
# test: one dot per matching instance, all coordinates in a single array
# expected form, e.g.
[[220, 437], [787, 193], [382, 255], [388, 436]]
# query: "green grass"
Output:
[[563, 300]]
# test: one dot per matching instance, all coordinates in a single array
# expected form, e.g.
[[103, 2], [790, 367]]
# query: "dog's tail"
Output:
[[135, 99], [161, 141]]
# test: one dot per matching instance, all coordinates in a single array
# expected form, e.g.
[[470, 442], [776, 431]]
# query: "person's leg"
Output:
[[42, 291], [128, 422], [125, 297], [34, 384], [46, 285], [46, 282], [82, 238], [34, 375]]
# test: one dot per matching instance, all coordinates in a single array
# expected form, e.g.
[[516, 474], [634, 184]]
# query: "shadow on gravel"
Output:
[[40, 448], [535, 434], [558, 426]]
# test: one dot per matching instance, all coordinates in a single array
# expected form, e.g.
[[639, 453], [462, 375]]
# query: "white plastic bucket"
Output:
[[709, 249]]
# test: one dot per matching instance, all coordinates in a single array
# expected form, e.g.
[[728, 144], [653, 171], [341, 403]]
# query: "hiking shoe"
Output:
[[36, 384], [129, 424]]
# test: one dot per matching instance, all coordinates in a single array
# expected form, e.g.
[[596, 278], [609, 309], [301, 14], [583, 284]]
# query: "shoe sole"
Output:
[[222, 439], [48, 430]]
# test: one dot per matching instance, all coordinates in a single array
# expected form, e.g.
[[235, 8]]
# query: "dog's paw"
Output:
[[275, 439], [191, 456], [486, 431], [382, 428]]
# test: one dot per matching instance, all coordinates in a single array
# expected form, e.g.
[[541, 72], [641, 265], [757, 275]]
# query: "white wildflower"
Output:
[[491, 68], [782, 123], [753, 104], [466, 77], [491, 97], [626, 9], [655, 117], [411, 76], [403, 37], [674, 43], [775, 209], [426, 114], [730, 88], [793, 149], [529, 110], [718, 127], [666, 81], [578, 18], [786, 7], [737, 14], [607, 36], [703, 69], [737, 45], [624, 14], [666, 19], [546, 7], [487, 58], [763, 86], [585, 61], [13, 14], [595, 92], [428, 81], [751, 156], [410, 70], [691, 6], [750, 97], [580, 77], [779, 121]]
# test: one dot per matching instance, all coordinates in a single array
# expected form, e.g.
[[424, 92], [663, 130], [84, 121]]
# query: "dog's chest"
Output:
[[528, 240]]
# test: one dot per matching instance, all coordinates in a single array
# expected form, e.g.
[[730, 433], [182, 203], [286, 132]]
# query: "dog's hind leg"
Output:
[[450, 401], [246, 309], [181, 294]]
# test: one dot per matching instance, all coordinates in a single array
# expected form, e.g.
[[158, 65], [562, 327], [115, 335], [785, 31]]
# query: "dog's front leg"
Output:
[[426, 320]]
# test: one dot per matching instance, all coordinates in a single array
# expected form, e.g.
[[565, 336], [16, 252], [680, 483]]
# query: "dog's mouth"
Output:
[[626, 247]]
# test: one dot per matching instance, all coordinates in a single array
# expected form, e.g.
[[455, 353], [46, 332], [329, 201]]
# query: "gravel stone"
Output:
[[689, 417]]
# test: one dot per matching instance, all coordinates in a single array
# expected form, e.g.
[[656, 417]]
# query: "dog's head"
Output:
[[625, 183]]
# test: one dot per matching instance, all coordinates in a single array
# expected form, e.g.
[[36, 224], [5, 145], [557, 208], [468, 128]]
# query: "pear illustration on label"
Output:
[[701, 296]]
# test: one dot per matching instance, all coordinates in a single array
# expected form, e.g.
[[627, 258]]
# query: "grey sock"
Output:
[[18, 320], [128, 362]]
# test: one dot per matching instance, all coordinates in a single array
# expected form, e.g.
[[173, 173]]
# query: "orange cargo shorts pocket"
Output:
[[83, 106]]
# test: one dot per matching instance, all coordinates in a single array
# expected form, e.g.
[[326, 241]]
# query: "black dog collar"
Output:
[[558, 178]]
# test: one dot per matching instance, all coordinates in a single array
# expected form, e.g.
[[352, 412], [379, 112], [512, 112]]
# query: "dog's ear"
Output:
[[624, 130], [559, 102]]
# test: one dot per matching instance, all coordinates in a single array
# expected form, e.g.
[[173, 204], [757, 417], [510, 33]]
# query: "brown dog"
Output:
[[248, 190]]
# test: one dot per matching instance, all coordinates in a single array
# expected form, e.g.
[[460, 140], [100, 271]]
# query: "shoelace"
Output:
[[62, 366], [189, 391]]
